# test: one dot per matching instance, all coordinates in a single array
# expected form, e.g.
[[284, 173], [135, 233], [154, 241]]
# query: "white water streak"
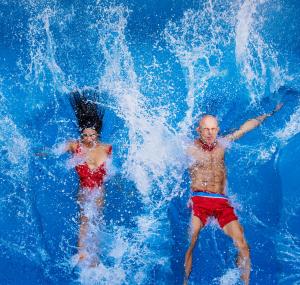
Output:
[[291, 128], [15, 198], [43, 55], [254, 56], [196, 41]]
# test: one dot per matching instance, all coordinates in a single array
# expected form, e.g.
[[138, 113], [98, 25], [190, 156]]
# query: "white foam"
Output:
[[101, 275], [195, 40], [43, 54], [231, 277], [255, 57], [291, 128]]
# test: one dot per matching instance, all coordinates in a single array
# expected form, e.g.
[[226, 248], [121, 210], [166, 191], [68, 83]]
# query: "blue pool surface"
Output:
[[156, 66]]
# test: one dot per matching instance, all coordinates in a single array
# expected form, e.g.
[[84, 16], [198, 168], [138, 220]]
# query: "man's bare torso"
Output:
[[208, 172]]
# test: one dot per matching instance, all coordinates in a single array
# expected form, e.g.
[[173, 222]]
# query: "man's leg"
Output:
[[196, 226], [235, 231]]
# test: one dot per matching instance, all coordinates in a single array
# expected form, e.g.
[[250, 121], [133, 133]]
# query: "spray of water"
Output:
[[153, 150], [17, 202], [43, 66], [256, 58], [198, 41], [291, 128], [154, 158]]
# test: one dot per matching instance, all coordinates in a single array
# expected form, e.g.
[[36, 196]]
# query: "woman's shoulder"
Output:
[[106, 147]]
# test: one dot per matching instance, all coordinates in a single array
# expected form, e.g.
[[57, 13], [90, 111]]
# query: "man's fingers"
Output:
[[279, 106]]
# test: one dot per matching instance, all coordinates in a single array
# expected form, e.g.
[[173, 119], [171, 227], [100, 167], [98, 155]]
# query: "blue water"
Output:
[[157, 66]]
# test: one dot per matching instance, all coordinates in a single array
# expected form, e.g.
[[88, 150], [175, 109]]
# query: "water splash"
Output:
[[153, 150], [198, 40], [291, 128], [43, 66], [287, 239], [148, 132], [257, 60], [231, 277], [17, 203]]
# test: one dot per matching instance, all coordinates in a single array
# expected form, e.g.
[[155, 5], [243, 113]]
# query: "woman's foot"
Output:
[[82, 255]]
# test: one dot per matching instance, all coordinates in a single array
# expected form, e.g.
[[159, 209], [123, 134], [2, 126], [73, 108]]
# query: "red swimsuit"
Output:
[[90, 178]]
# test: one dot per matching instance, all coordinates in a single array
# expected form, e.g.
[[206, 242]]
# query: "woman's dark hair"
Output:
[[86, 109]]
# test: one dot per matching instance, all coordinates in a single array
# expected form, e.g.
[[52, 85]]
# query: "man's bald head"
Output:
[[208, 129], [208, 120]]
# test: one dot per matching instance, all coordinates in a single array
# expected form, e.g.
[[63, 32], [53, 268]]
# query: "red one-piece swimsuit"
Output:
[[90, 178]]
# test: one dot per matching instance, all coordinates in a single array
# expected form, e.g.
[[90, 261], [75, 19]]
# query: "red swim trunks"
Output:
[[220, 208]]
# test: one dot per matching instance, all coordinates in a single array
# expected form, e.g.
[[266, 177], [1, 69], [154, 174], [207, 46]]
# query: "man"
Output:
[[208, 175]]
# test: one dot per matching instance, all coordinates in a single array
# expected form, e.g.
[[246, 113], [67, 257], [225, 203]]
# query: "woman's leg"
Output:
[[91, 205], [83, 229]]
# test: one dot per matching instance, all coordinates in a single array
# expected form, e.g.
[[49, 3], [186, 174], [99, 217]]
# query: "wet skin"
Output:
[[208, 173], [94, 154]]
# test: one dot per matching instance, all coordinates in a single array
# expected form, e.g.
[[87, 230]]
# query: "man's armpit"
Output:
[[225, 142]]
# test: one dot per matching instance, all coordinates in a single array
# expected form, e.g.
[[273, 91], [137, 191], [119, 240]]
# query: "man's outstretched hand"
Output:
[[278, 107]]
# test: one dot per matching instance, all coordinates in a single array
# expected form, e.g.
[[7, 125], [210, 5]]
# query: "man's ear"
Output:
[[198, 129]]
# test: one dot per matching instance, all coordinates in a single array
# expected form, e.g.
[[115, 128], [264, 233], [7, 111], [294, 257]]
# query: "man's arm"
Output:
[[251, 124]]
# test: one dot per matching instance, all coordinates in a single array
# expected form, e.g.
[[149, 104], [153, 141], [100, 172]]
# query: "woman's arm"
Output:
[[58, 149]]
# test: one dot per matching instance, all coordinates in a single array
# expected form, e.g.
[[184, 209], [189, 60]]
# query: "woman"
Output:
[[89, 156]]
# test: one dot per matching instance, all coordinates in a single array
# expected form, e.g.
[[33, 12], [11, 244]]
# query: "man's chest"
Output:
[[208, 159]]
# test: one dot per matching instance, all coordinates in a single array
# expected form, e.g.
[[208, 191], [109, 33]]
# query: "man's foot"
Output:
[[244, 267], [185, 280], [245, 276]]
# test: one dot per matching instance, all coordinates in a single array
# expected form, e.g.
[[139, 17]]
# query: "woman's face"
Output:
[[89, 136]]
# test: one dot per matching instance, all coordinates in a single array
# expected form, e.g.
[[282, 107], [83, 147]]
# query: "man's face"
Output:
[[208, 129], [89, 136]]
